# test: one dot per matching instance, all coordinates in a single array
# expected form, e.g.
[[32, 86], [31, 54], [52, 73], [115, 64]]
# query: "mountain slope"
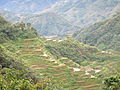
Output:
[[9, 31], [57, 60], [76, 51], [26, 6], [105, 35], [51, 24], [60, 63], [13, 73], [86, 12]]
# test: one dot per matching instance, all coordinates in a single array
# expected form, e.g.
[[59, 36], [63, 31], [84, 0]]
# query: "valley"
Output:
[[67, 73], [60, 45]]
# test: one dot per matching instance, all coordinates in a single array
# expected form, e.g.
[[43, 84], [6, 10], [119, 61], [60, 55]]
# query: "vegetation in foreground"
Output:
[[55, 63]]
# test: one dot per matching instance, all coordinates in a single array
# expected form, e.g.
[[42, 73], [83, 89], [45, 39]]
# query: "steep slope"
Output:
[[9, 31], [85, 12], [26, 6], [60, 64], [13, 73], [59, 17], [56, 61], [51, 24], [105, 35], [76, 51]]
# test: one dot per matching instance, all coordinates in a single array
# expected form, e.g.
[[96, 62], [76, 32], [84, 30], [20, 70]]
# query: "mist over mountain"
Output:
[[81, 13], [51, 24], [25, 6], [86, 12]]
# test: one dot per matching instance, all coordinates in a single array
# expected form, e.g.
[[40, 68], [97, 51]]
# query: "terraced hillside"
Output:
[[62, 70], [57, 64], [13, 74]]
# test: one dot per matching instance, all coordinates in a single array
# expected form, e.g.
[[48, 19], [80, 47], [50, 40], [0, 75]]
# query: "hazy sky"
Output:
[[3, 1]]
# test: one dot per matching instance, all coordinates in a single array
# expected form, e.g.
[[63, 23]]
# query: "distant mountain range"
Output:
[[51, 17], [86, 12], [26, 6], [49, 24]]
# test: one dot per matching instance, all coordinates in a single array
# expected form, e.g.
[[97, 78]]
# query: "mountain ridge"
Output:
[[26, 6], [103, 34]]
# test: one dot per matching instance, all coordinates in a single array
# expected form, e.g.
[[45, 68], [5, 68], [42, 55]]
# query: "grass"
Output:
[[31, 52]]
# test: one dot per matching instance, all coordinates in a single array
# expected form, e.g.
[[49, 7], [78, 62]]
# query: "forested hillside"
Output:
[[105, 34], [9, 31], [14, 72], [76, 51]]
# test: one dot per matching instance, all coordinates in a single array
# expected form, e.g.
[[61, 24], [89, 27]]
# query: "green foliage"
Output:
[[13, 74], [76, 51], [13, 80], [105, 35], [34, 54], [10, 31], [112, 83]]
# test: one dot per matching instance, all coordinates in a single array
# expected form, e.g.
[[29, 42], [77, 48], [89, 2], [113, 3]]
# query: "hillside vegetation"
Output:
[[9, 31], [63, 64], [14, 73], [31, 62], [105, 34], [76, 51]]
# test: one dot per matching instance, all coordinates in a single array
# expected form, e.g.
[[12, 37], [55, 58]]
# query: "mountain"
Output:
[[105, 34], [31, 62], [52, 17], [14, 73], [9, 31], [85, 12], [46, 23], [55, 64], [67, 62], [25, 6], [10, 16], [50, 24]]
